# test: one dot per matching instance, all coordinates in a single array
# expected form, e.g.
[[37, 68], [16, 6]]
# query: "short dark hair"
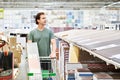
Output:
[[38, 16]]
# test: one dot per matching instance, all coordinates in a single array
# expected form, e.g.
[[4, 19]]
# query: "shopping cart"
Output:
[[48, 68]]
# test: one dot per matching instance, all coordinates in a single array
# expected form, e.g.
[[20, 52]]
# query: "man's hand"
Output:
[[53, 55]]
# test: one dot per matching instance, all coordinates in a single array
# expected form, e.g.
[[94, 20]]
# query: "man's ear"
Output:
[[38, 20]]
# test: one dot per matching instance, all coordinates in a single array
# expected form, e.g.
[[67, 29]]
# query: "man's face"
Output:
[[42, 20]]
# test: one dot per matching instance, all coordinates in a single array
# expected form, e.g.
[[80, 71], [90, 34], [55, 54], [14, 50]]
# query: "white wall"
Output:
[[23, 18]]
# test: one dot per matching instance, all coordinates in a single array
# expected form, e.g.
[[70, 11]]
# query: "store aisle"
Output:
[[22, 68]]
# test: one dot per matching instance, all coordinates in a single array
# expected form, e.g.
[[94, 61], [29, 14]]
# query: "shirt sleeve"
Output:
[[51, 35], [30, 36]]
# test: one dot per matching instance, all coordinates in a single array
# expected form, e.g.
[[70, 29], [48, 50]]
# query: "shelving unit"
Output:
[[103, 44]]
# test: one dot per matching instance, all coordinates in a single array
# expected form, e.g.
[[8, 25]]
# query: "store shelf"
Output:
[[100, 43]]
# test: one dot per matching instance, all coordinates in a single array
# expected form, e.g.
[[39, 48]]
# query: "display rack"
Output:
[[103, 44], [90, 52]]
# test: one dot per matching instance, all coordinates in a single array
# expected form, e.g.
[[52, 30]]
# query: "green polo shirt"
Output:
[[43, 39]]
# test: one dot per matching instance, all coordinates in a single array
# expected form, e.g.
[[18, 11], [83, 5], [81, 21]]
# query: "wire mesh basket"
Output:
[[48, 68]]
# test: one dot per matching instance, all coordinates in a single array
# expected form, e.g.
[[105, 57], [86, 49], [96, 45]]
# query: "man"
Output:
[[44, 38]]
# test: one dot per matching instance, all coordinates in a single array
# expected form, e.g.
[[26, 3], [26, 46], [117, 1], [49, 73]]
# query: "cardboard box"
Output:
[[17, 54], [12, 41]]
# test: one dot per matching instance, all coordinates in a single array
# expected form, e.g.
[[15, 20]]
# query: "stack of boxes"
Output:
[[63, 57], [16, 49], [106, 76], [94, 68]]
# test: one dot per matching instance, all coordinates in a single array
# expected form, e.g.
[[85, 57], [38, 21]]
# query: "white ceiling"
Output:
[[59, 0], [60, 4]]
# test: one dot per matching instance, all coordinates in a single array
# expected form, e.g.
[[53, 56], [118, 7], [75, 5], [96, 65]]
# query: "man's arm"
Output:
[[53, 52]]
